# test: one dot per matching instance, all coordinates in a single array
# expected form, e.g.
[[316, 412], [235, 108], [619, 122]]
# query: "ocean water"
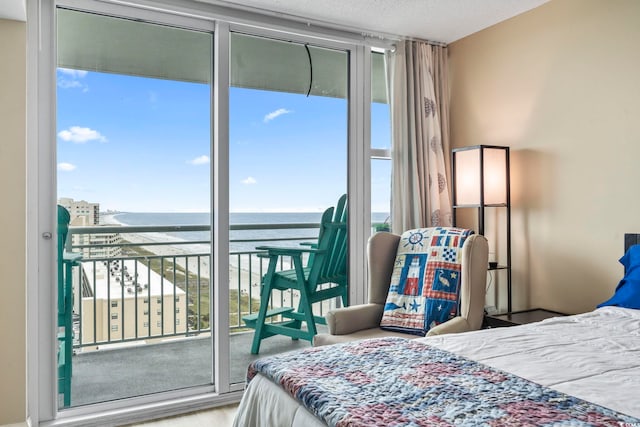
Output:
[[253, 237]]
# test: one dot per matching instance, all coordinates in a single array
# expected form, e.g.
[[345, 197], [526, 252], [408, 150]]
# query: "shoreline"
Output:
[[245, 270], [186, 256]]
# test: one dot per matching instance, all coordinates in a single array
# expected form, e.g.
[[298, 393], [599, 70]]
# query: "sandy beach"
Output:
[[243, 274], [245, 271]]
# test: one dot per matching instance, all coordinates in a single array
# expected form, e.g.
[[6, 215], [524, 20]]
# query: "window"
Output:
[[159, 324], [159, 300], [177, 321], [146, 324], [114, 316], [380, 147], [114, 328], [114, 303], [159, 312], [177, 309]]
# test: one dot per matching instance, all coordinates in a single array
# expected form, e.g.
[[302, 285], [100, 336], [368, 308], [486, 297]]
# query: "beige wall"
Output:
[[561, 86], [12, 219]]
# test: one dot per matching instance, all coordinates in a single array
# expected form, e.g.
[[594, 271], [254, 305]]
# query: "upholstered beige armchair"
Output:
[[363, 321]]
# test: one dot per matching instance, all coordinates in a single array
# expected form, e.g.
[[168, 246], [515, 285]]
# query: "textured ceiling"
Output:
[[435, 20]]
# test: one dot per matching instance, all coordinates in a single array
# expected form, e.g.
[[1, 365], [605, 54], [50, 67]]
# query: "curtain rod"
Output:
[[380, 37], [432, 43], [251, 15]]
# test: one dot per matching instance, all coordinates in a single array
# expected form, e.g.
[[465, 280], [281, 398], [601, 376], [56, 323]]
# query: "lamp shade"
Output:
[[481, 167]]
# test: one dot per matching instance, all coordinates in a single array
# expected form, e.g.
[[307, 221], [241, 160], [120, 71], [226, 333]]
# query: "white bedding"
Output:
[[594, 356]]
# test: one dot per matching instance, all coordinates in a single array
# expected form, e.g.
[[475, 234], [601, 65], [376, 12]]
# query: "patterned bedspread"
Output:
[[396, 382]]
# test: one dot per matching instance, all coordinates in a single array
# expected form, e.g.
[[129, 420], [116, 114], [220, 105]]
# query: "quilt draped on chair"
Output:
[[425, 283]]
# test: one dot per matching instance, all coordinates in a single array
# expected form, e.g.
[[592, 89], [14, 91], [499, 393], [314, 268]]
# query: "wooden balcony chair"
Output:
[[327, 264], [66, 261]]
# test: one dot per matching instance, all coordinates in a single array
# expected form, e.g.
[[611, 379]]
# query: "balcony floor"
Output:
[[104, 375]]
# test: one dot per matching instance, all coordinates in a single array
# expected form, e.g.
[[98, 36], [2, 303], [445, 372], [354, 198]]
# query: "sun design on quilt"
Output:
[[415, 238]]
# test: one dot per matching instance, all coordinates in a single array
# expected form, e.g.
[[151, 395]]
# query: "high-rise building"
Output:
[[85, 214], [82, 212]]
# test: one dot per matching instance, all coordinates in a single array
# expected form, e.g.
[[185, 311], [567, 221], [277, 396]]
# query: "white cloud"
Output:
[[69, 79], [249, 180], [66, 167], [76, 74], [80, 135], [67, 84], [71, 84], [272, 115], [200, 160]]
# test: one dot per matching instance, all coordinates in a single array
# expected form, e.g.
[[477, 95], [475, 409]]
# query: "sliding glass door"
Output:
[[163, 202], [288, 133], [134, 196]]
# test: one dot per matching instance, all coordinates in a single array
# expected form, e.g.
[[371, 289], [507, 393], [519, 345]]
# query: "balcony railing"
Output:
[[132, 286]]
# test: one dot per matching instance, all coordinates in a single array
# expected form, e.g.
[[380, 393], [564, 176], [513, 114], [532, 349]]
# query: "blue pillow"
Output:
[[627, 292]]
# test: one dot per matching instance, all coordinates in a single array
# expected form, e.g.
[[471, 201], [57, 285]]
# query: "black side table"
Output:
[[519, 317]]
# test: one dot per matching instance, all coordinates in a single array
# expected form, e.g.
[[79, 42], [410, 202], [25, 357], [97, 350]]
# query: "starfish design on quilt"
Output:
[[454, 274], [414, 306], [415, 238], [440, 307]]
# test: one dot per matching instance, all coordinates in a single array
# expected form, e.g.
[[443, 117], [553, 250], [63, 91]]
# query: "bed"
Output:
[[593, 356], [580, 370]]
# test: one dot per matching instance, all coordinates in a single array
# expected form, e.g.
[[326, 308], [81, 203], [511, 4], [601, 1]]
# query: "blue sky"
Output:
[[143, 145]]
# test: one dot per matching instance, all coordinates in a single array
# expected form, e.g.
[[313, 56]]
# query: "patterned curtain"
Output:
[[420, 136]]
